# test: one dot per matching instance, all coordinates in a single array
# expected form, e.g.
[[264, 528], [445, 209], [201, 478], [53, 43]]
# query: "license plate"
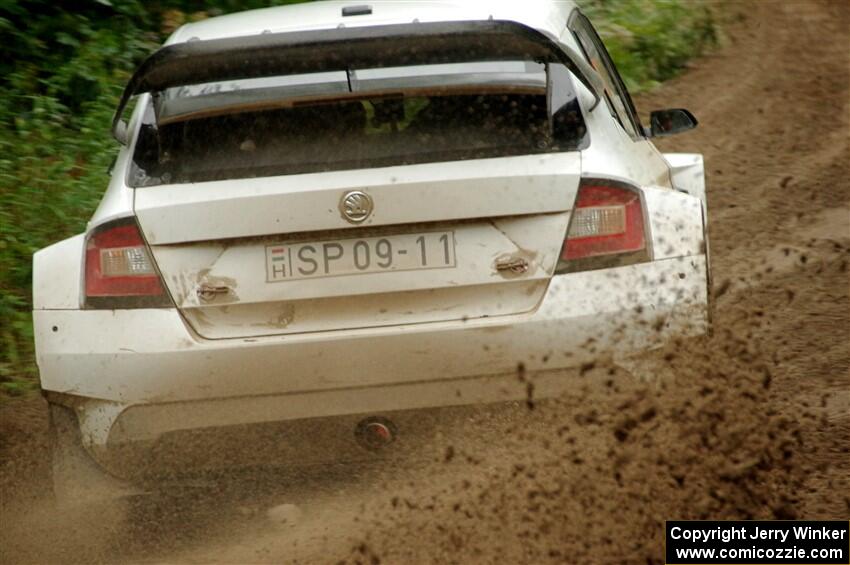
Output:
[[339, 257]]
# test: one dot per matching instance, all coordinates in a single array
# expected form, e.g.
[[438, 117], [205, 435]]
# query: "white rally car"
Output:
[[329, 219]]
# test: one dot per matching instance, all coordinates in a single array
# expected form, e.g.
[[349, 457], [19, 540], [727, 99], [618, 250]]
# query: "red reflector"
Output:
[[118, 264]]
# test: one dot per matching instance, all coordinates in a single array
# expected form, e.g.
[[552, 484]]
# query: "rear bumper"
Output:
[[136, 375], [197, 456]]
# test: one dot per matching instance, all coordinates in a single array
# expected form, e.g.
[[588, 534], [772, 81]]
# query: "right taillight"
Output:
[[607, 228], [120, 272]]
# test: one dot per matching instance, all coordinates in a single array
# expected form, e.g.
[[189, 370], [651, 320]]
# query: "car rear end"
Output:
[[341, 245]]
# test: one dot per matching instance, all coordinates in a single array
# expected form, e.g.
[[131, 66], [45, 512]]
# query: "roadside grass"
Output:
[[63, 74], [652, 40]]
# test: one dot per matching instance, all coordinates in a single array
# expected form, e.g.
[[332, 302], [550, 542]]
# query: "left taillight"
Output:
[[120, 272]]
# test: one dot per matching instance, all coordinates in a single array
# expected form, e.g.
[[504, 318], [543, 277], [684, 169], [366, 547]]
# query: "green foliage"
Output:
[[63, 69], [652, 40]]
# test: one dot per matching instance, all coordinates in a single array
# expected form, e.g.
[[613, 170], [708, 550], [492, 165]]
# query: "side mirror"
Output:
[[669, 122]]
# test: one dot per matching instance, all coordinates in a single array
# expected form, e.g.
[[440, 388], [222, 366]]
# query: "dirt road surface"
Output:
[[752, 423]]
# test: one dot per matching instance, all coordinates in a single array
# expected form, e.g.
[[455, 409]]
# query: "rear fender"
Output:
[[676, 223], [678, 229], [58, 275], [687, 171]]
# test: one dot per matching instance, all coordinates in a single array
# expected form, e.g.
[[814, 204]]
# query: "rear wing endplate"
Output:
[[339, 49]]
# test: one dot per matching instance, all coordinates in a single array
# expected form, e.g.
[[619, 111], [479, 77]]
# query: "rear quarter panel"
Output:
[[675, 223], [57, 275]]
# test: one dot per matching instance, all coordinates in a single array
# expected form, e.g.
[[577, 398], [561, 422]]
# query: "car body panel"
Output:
[[429, 192], [466, 199], [637, 159], [474, 287], [117, 201], [687, 171], [676, 220], [58, 275]]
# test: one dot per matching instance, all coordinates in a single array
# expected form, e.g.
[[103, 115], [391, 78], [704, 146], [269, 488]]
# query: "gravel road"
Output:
[[751, 423]]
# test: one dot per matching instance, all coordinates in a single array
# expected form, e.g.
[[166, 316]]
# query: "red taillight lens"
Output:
[[606, 228], [119, 270]]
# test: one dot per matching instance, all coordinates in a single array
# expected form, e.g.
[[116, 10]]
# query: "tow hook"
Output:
[[207, 292], [516, 265], [375, 433]]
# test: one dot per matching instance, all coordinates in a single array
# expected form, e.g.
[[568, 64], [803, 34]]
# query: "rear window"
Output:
[[356, 119]]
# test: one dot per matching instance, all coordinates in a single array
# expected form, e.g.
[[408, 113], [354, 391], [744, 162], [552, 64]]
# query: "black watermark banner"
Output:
[[758, 542]]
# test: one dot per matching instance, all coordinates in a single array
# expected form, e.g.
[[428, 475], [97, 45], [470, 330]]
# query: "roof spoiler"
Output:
[[271, 54]]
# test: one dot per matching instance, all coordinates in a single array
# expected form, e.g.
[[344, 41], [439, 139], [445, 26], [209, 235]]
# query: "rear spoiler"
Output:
[[339, 49]]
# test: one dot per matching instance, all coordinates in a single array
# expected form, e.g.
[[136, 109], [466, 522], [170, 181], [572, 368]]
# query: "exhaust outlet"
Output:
[[375, 433]]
